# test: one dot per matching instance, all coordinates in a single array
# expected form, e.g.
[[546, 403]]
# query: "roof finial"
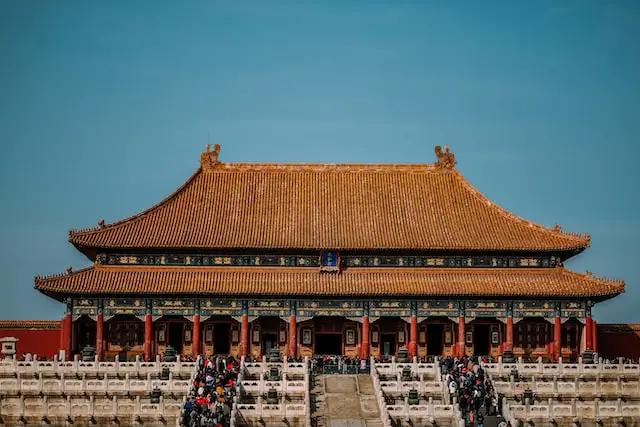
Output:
[[445, 160], [557, 228], [589, 274], [209, 159], [101, 223], [69, 270]]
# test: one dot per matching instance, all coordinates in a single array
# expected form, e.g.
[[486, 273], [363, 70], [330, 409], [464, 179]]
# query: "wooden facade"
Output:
[[328, 259]]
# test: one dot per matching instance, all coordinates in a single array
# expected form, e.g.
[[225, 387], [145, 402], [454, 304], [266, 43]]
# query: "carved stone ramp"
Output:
[[350, 401]]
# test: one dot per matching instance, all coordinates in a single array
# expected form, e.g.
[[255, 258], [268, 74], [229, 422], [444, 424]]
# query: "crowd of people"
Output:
[[468, 384], [211, 395]]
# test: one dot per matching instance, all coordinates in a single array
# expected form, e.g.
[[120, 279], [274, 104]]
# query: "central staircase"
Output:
[[345, 401]]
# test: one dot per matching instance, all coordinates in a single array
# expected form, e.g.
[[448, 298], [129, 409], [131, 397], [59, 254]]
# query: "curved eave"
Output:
[[309, 282]]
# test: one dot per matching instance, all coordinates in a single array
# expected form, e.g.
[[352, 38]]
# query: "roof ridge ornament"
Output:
[[446, 159], [209, 159]]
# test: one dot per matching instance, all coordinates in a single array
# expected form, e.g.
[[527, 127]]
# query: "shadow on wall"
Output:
[[619, 340]]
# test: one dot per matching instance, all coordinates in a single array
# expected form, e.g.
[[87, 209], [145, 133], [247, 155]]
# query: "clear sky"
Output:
[[106, 105]]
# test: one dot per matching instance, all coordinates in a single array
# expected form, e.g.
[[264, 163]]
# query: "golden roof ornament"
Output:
[[446, 159], [209, 159], [557, 228]]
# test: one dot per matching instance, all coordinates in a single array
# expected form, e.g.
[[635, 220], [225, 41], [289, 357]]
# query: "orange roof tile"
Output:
[[317, 206], [29, 324], [525, 282]]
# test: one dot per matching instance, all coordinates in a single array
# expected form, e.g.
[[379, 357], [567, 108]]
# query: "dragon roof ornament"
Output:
[[446, 159], [209, 159]]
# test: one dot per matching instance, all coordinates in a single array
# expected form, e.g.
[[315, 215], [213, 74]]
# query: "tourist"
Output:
[[211, 394]]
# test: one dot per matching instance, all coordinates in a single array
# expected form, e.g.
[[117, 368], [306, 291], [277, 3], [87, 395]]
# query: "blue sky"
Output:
[[106, 107]]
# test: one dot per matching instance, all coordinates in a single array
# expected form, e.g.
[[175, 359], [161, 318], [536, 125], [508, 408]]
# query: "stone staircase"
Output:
[[345, 401]]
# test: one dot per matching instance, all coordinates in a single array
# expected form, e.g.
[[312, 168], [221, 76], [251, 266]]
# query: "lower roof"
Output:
[[371, 282]]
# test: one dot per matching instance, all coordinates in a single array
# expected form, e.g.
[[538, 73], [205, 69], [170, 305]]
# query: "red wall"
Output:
[[619, 341], [43, 342]]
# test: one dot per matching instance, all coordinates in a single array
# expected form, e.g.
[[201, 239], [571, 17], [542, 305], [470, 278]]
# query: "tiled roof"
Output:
[[317, 206], [29, 324], [624, 328], [102, 279]]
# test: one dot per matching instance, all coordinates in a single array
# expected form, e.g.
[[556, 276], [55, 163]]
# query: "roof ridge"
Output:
[[586, 238], [141, 214], [45, 277], [588, 275]]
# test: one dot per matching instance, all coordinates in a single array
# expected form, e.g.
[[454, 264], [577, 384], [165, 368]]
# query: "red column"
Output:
[[148, 324], [557, 338], [99, 325], [594, 339], [413, 337], [364, 349], [508, 345], [293, 342], [244, 335], [588, 334], [65, 336], [195, 349], [461, 345]]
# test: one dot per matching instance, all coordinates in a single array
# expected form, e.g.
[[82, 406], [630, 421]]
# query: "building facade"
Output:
[[328, 259]]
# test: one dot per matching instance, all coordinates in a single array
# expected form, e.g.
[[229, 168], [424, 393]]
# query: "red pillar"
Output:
[[594, 339], [195, 349], [461, 344], [588, 334], [413, 337], [244, 335], [293, 342], [148, 324], [557, 338], [364, 349], [65, 336], [508, 345], [99, 326]]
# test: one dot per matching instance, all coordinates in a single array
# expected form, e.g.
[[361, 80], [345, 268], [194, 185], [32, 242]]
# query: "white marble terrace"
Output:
[[294, 404]]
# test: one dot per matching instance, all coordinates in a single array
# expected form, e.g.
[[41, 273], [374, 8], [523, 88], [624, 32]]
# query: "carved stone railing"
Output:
[[95, 367], [285, 367], [575, 409], [377, 388], [286, 387], [72, 384], [103, 410], [576, 386], [429, 387], [394, 368], [561, 368]]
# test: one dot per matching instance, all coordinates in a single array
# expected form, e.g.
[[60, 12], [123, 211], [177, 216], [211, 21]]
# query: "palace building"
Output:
[[353, 259]]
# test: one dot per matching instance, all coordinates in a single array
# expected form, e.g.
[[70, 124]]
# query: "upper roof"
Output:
[[308, 281], [328, 206]]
